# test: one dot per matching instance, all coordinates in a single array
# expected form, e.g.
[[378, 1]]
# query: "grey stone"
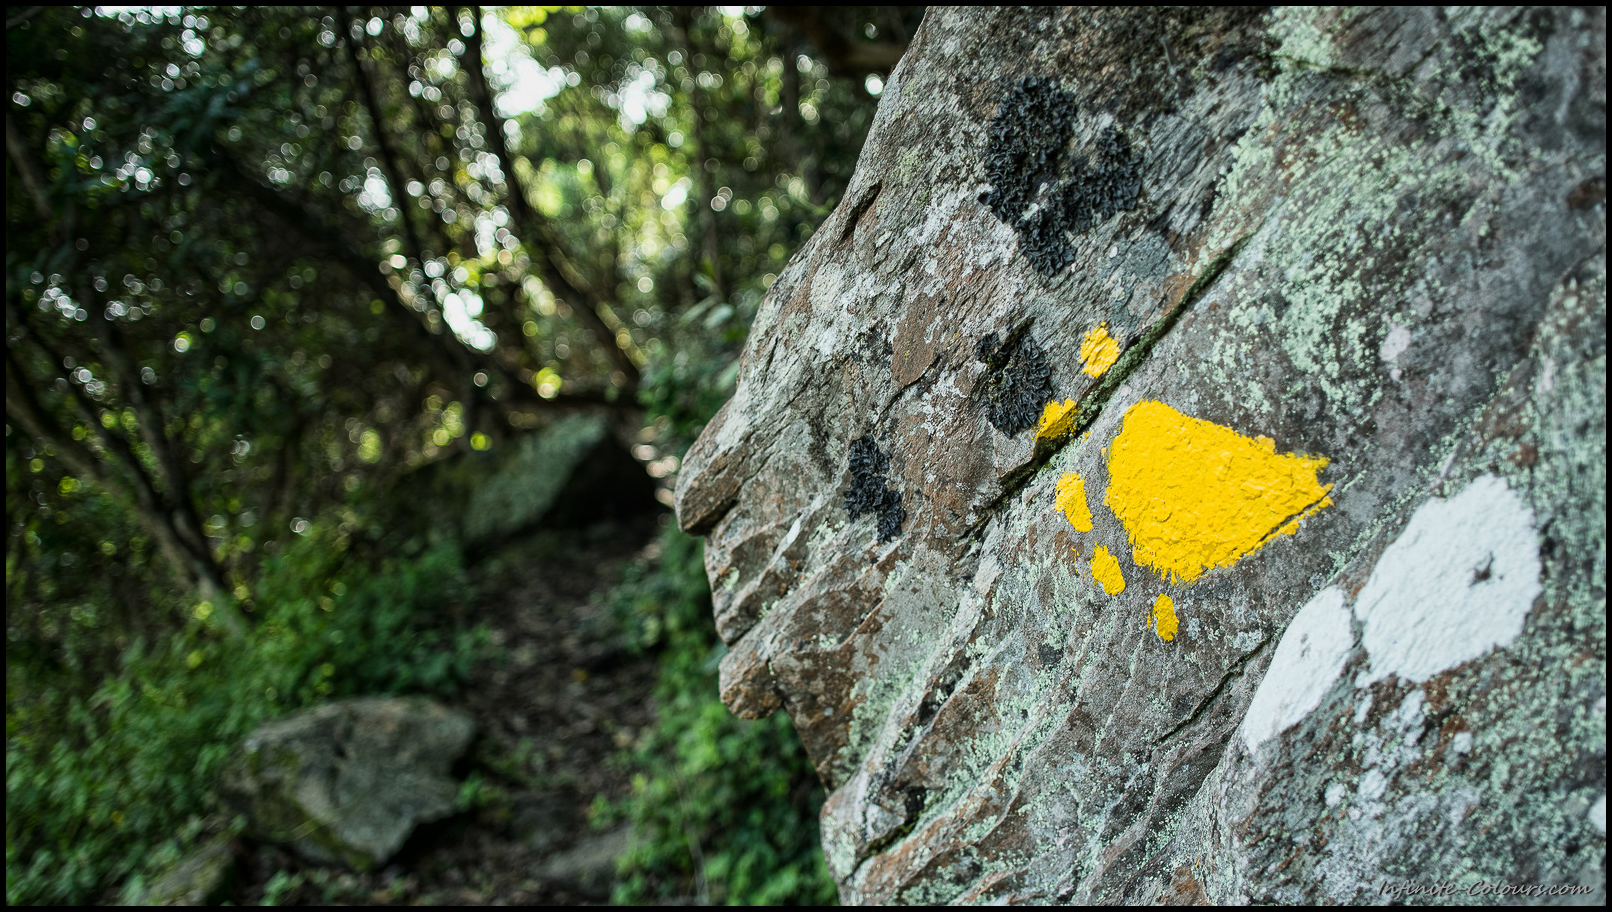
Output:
[[569, 474], [1372, 236], [349, 781], [590, 861], [198, 878]]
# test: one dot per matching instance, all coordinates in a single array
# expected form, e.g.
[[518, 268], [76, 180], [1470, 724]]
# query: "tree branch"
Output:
[[845, 55], [190, 569], [683, 17], [23, 162], [469, 394], [334, 246], [558, 275]]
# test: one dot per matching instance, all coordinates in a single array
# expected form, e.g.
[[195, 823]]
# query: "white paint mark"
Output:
[[1395, 343], [1307, 660], [1598, 815], [1458, 582], [1408, 717], [1363, 710], [1335, 793], [1373, 784], [1461, 803]]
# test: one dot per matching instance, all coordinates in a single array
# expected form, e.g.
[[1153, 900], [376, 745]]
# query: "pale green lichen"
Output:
[[909, 164], [1339, 203], [825, 532], [910, 593], [873, 696]]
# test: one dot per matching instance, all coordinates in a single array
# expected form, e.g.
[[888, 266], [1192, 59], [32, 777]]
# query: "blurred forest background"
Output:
[[275, 276]]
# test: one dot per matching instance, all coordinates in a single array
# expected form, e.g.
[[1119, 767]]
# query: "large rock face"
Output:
[[1177, 470]]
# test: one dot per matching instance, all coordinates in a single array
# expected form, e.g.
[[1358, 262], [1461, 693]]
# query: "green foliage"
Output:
[[267, 264], [97, 782], [725, 810]]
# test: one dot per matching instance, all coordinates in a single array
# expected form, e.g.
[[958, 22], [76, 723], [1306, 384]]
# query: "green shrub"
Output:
[[724, 809], [99, 783]]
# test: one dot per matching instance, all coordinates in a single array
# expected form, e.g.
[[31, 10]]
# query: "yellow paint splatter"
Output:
[[1194, 495], [1098, 351], [1072, 501], [1164, 622], [1057, 419], [1105, 570]]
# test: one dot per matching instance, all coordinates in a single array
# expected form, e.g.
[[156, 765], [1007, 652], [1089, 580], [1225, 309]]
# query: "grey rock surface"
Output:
[[1320, 300], [349, 781], [590, 861], [198, 878]]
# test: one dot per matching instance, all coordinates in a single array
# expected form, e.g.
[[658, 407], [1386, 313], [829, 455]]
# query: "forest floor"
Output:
[[555, 713]]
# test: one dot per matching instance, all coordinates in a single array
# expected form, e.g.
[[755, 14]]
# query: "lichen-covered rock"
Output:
[[348, 781], [1295, 590]]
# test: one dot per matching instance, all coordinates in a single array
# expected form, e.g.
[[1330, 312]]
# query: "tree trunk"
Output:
[[1177, 470]]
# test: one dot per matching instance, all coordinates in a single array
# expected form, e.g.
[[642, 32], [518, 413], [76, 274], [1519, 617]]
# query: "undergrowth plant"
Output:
[[724, 810], [100, 779]]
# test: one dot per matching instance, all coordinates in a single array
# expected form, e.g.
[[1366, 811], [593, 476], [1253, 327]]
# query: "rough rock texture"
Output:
[[348, 781], [1138, 652]]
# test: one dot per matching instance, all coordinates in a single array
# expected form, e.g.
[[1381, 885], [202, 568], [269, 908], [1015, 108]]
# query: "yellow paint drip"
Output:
[[1098, 351], [1194, 495], [1164, 622], [1057, 419], [1072, 501], [1105, 570]]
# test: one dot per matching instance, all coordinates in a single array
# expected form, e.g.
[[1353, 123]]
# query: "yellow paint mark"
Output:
[[1105, 570], [1057, 419], [1098, 351], [1194, 495], [1164, 622], [1072, 501]]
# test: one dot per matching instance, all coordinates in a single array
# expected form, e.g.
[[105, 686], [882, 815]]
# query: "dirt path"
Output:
[[552, 720]]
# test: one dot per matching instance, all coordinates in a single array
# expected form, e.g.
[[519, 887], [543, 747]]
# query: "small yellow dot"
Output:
[[1105, 569], [1164, 620]]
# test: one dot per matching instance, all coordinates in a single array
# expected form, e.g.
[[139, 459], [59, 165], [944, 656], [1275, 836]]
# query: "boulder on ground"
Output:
[[349, 781], [198, 878], [1177, 470], [571, 473]]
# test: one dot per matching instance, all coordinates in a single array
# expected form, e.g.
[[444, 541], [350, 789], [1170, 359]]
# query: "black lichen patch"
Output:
[[1018, 383], [869, 493], [1046, 191]]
